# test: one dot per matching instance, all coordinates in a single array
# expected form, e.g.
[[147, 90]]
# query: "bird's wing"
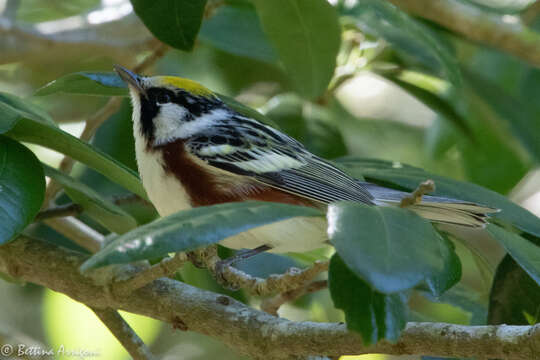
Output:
[[246, 147]]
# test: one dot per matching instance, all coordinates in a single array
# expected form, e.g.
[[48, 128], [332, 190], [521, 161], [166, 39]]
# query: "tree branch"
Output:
[[252, 332], [119, 37], [124, 334], [59, 211], [506, 33]]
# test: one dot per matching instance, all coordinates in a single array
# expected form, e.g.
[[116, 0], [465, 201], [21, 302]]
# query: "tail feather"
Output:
[[435, 208]]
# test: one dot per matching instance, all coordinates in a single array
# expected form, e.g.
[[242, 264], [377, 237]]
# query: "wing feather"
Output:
[[246, 147]]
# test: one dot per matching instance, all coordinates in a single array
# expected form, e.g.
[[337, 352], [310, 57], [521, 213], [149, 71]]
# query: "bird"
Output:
[[194, 150]]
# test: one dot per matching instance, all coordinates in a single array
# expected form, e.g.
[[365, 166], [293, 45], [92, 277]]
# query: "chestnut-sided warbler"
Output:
[[194, 150]]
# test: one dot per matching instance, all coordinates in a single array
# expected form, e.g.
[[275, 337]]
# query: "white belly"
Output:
[[299, 234], [166, 193]]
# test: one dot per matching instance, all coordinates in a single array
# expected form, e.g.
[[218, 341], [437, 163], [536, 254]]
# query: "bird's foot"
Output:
[[223, 267]]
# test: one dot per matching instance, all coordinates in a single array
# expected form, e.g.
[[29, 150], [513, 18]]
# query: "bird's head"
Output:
[[166, 108]]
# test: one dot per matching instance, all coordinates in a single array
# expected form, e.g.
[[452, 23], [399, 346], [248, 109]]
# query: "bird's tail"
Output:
[[435, 208]]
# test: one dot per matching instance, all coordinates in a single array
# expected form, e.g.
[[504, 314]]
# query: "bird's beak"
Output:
[[130, 78]]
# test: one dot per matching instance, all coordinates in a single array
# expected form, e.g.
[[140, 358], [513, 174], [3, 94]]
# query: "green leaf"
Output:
[[22, 188], [191, 229], [393, 249], [523, 124], [107, 84], [514, 297], [265, 264], [86, 83], [410, 38], [58, 140], [408, 177], [12, 108], [306, 35], [308, 123], [466, 299], [236, 29], [98, 208], [374, 315], [524, 252], [435, 102], [175, 22]]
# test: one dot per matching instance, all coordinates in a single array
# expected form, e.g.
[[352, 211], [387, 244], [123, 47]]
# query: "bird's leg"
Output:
[[416, 196], [240, 255]]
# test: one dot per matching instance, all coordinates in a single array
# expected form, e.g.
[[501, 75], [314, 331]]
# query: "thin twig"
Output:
[[159, 51], [92, 123], [164, 268], [272, 305], [424, 188], [78, 232], [124, 334], [59, 211], [234, 278], [95, 121]]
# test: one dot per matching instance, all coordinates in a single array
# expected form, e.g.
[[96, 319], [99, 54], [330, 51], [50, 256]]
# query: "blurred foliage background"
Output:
[[404, 89]]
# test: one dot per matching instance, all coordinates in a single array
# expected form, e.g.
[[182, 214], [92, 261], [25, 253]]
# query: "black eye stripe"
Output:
[[195, 104]]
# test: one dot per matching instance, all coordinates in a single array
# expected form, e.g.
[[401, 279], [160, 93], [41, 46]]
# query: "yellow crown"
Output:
[[181, 83]]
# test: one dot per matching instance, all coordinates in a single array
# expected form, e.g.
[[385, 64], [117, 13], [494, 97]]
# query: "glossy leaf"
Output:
[[12, 108], [393, 249], [236, 29], [306, 36], [175, 22], [408, 177], [58, 140], [86, 83], [515, 297], [98, 208], [107, 83], [91, 83], [374, 315], [524, 252], [266, 264], [191, 229], [409, 37], [22, 188]]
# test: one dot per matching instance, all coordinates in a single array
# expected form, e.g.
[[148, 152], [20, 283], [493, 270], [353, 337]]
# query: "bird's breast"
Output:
[[165, 191]]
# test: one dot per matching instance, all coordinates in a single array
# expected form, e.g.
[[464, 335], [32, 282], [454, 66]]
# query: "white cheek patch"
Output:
[[170, 123], [167, 122]]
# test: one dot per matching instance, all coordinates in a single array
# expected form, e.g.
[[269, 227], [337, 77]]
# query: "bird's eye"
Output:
[[163, 98]]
